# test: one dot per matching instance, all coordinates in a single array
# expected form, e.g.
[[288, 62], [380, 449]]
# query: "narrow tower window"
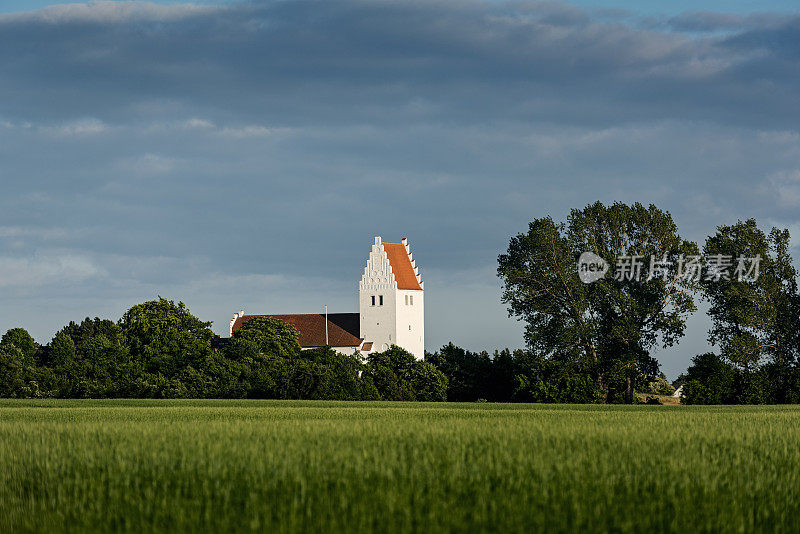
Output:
[[411, 299], [373, 300], [380, 299]]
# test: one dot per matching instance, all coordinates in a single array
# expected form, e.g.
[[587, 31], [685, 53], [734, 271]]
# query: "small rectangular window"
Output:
[[406, 300], [373, 300], [411, 300], [380, 300], [409, 327]]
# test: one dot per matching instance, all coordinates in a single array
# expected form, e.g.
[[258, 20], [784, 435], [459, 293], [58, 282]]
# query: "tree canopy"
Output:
[[615, 322], [754, 317], [164, 336], [269, 336]]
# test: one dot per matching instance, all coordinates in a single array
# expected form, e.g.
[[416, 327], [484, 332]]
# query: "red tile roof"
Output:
[[401, 266], [343, 328]]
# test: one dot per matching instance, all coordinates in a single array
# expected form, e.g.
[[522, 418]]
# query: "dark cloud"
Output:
[[245, 156], [298, 62]]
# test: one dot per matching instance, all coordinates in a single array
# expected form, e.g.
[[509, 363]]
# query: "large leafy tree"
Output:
[[389, 371], [468, 373], [614, 322], [62, 353], [12, 375], [397, 375], [83, 332], [90, 359], [18, 341], [17, 364], [164, 336], [710, 380], [755, 315], [268, 336]]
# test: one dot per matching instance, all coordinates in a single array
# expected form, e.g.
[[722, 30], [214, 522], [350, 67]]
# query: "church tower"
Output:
[[391, 299]]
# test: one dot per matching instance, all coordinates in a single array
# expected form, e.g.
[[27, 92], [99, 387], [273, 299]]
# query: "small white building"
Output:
[[391, 309]]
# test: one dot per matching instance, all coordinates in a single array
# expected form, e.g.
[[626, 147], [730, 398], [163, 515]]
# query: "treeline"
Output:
[[517, 376], [522, 376], [158, 349], [713, 380]]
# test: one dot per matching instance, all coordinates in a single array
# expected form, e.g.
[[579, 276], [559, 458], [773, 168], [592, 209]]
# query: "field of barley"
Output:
[[222, 466]]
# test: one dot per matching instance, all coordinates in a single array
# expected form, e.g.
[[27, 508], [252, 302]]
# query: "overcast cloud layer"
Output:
[[244, 156]]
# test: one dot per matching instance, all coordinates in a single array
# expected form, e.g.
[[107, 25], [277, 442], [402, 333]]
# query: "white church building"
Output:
[[391, 301]]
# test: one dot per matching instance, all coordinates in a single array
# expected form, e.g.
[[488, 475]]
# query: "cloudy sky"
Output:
[[243, 155]]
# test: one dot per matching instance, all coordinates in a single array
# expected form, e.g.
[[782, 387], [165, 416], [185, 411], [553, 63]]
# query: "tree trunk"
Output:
[[629, 392], [592, 352]]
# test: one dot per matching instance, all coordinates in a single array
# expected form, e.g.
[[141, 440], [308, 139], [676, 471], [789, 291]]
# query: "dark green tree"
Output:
[[502, 376], [18, 373], [428, 383], [82, 332], [613, 323], [756, 316], [90, 359], [164, 336], [269, 377], [269, 335], [468, 373], [709, 380], [20, 341], [554, 380], [342, 375], [397, 375], [389, 371], [61, 358], [12, 374], [62, 351]]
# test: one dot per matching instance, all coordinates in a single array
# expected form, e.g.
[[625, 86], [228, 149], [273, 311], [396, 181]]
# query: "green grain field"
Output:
[[222, 466]]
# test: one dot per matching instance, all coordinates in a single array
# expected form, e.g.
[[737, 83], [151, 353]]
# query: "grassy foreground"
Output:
[[220, 466]]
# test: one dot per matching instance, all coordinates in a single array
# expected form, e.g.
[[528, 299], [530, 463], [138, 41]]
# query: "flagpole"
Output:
[[326, 324]]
